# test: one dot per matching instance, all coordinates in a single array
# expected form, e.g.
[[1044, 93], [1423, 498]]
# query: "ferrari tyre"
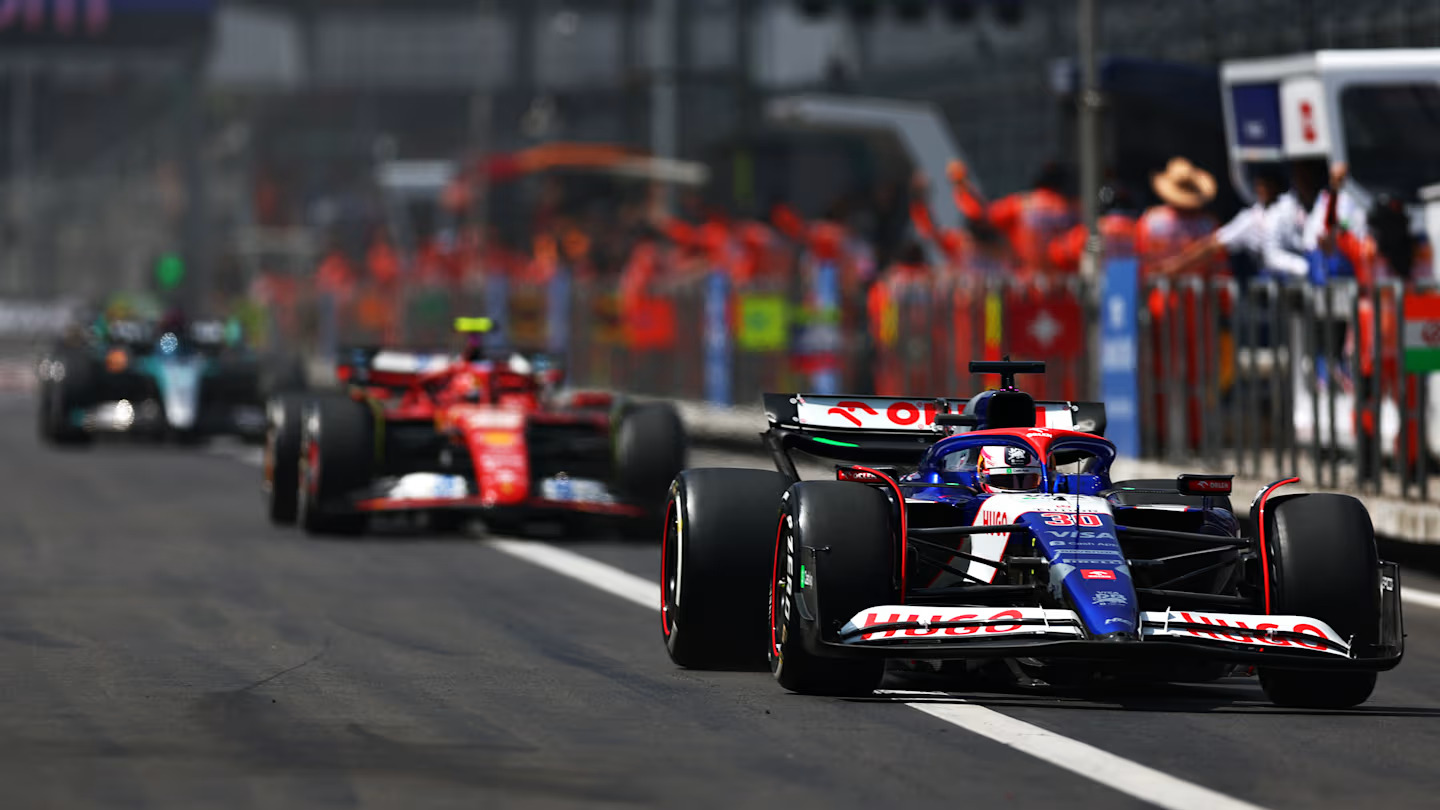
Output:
[[715, 561], [281, 468], [649, 452], [1324, 565], [336, 457], [834, 556]]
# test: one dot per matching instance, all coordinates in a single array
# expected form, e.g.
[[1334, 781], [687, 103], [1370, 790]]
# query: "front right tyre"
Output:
[[65, 391], [715, 562], [280, 483]]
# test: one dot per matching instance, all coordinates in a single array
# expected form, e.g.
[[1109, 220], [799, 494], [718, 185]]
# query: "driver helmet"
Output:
[[1008, 469]]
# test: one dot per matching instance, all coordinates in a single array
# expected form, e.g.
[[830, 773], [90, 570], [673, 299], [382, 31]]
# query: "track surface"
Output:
[[162, 646]]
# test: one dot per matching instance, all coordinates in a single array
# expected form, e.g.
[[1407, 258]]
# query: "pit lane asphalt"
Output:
[[162, 646]]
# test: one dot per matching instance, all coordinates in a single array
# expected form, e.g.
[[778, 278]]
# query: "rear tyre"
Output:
[[337, 453], [649, 452], [715, 561], [1323, 564], [281, 481], [834, 556]]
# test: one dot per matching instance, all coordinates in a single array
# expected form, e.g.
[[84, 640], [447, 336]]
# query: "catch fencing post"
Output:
[[1213, 422], [1277, 380], [1333, 357], [1238, 399], [1204, 356], [1311, 312], [1148, 413], [1402, 392]]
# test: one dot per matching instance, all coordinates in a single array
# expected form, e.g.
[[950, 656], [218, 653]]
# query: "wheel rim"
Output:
[[670, 569], [778, 582], [307, 484]]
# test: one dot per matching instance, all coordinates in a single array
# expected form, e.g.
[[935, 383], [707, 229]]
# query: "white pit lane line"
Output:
[[254, 456], [1132, 778]]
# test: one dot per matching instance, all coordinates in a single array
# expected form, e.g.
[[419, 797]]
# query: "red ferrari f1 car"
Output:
[[462, 437]]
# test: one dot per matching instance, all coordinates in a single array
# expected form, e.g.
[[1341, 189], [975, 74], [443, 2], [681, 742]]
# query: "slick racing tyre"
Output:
[[66, 389], [715, 561], [649, 452], [1323, 564], [281, 481], [337, 452], [834, 556]]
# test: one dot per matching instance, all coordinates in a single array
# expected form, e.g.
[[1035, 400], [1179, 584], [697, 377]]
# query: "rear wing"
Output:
[[901, 415], [369, 365], [886, 430]]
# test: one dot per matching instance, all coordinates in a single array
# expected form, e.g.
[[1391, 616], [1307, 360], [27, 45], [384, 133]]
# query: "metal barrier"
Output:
[[1280, 379], [1330, 383]]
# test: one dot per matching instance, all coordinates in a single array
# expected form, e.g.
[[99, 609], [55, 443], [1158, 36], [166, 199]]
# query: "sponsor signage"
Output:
[[717, 338], [104, 23], [1245, 629], [869, 413], [764, 323], [1303, 118], [884, 413], [976, 624], [1257, 116], [1119, 354]]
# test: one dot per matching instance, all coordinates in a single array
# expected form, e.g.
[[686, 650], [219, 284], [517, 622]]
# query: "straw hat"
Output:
[[1184, 185]]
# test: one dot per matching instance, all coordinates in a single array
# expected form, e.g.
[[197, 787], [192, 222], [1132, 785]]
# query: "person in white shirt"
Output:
[[1301, 222], [1244, 234]]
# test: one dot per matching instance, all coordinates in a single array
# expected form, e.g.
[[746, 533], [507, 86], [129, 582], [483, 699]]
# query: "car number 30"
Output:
[[1070, 519]]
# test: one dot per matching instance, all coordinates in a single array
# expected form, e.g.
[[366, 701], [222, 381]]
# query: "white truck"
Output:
[[1379, 112]]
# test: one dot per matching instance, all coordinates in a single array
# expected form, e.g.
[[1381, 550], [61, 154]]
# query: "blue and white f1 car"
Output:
[[988, 531]]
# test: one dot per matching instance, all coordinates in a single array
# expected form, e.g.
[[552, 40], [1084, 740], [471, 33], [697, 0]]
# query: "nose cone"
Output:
[[179, 382]]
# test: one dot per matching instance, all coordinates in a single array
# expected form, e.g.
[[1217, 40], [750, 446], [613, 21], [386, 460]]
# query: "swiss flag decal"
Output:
[[1096, 573]]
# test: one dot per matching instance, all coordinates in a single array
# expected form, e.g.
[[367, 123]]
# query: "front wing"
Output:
[[1299, 642]]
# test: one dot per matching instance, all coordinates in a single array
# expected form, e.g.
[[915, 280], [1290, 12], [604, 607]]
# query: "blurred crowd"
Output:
[[1305, 223], [884, 250]]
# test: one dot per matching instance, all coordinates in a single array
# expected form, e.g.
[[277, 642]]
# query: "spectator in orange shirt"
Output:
[[1030, 220], [897, 284], [954, 244], [381, 260], [1117, 233], [335, 274]]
